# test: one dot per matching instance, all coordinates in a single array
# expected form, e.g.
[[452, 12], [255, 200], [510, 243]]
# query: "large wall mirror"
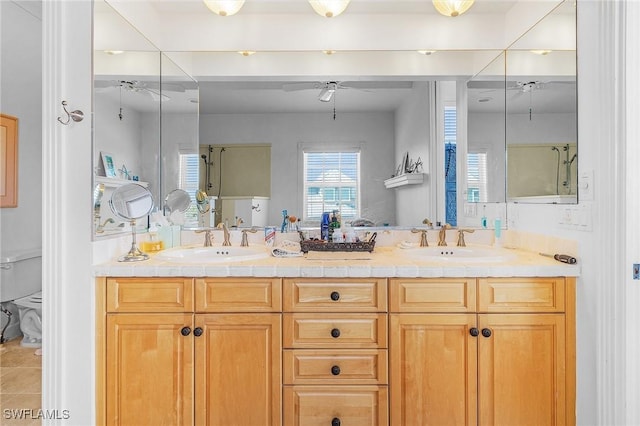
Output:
[[541, 112], [386, 105], [145, 116]]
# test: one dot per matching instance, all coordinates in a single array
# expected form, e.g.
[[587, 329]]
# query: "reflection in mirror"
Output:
[[482, 159], [541, 103], [131, 202], [177, 200], [126, 109]]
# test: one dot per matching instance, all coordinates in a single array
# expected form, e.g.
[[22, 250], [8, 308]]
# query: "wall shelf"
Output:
[[405, 179], [110, 182]]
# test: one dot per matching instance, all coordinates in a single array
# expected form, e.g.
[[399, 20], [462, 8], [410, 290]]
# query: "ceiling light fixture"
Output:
[[246, 52], [328, 52], [329, 8], [452, 8], [426, 52], [541, 52], [113, 52], [224, 7]]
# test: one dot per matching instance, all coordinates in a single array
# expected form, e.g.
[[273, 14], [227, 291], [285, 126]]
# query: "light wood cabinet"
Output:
[[189, 366], [335, 357], [510, 361], [348, 351]]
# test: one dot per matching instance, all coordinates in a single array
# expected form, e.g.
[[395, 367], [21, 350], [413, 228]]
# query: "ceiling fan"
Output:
[[328, 89], [153, 89]]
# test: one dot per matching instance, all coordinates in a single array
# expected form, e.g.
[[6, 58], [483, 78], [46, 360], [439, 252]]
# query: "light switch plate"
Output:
[[585, 186]]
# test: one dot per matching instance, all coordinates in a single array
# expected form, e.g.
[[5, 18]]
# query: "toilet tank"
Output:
[[20, 274]]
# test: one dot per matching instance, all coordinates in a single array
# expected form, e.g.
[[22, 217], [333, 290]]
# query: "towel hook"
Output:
[[76, 115]]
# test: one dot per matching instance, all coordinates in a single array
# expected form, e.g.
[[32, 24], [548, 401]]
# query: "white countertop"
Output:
[[384, 262]]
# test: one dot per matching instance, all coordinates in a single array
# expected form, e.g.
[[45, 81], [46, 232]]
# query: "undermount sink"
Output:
[[460, 254], [216, 254]]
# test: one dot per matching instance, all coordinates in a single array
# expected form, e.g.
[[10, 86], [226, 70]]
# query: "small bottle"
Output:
[[497, 232], [483, 221], [324, 227]]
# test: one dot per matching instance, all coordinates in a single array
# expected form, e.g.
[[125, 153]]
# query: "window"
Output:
[[189, 181], [331, 182], [477, 177]]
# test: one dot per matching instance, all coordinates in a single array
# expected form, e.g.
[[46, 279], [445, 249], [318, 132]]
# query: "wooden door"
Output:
[[433, 376], [521, 369], [238, 369], [149, 369]]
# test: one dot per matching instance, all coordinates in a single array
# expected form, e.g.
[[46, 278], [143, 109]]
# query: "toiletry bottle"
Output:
[[285, 218], [483, 221], [497, 232], [324, 227]]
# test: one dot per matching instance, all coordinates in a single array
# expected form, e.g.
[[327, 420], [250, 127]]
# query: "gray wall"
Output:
[[374, 131], [21, 97]]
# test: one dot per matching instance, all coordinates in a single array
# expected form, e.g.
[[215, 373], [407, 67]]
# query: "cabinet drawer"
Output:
[[432, 295], [332, 295], [521, 294], [335, 330], [150, 295], [348, 405], [346, 367], [238, 294]]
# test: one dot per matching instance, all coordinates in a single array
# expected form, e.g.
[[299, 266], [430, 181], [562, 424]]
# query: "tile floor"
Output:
[[20, 384]]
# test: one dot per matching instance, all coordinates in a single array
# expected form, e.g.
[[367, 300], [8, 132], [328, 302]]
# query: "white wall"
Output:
[[374, 131], [21, 97], [413, 136]]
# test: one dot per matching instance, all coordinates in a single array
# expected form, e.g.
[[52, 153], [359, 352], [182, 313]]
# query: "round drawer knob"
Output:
[[335, 370], [335, 333], [197, 331], [486, 332], [335, 421], [474, 332], [335, 295], [185, 331]]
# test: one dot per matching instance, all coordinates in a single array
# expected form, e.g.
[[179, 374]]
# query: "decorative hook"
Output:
[[256, 208], [76, 115]]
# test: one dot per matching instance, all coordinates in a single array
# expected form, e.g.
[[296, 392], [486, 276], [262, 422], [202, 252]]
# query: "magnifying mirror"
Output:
[[130, 202], [202, 201], [177, 200]]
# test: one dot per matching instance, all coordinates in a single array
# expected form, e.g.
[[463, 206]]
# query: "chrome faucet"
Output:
[[208, 236], [423, 236], [461, 232], [100, 228], [245, 241], [442, 235], [225, 230]]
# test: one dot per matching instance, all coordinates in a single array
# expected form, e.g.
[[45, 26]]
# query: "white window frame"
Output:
[[303, 150]]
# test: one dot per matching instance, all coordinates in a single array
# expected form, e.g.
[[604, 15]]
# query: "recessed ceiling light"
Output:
[[541, 52], [224, 7], [246, 52], [328, 52], [426, 52], [113, 52]]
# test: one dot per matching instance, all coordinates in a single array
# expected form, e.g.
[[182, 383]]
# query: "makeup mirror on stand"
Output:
[[132, 202]]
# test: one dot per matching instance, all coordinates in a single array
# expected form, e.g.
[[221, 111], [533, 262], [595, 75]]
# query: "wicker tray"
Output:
[[319, 245]]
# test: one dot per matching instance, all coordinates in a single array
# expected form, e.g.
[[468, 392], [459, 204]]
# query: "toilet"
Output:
[[21, 296]]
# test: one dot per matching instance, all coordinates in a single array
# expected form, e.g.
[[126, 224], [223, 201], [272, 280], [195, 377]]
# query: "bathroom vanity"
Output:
[[294, 341]]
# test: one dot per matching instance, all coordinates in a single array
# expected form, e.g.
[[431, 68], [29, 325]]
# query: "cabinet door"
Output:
[[521, 369], [149, 369], [433, 372], [238, 369]]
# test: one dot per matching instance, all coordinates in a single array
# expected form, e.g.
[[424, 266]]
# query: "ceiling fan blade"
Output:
[[308, 85]]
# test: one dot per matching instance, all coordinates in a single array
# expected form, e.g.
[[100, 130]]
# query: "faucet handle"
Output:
[[461, 232], [245, 240], [423, 236], [208, 236]]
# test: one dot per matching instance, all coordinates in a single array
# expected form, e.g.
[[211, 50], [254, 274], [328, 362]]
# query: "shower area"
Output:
[[540, 170], [237, 178]]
